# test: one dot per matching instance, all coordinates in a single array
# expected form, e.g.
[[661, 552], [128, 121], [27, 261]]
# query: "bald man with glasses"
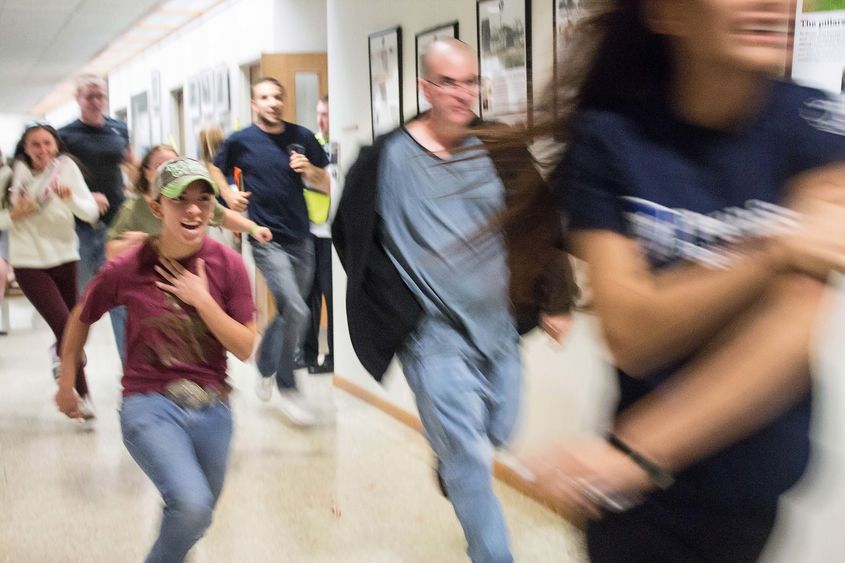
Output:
[[428, 281]]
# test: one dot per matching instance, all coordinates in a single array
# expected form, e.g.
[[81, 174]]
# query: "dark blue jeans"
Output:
[[92, 253]]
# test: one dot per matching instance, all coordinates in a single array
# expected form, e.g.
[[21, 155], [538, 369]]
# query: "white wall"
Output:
[[565, 387], [300, 26], [11, 128], [63, 114]]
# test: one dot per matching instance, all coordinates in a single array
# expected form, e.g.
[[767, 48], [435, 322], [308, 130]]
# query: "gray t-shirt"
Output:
[[432, 212]]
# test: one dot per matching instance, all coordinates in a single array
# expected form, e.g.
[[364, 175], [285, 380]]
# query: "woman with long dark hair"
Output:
[[46, 194], [693, 190]]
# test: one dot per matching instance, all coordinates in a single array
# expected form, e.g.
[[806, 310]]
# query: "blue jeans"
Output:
[[184, 452], [118, 327], [468, 404], [288, 269], [92, 253]]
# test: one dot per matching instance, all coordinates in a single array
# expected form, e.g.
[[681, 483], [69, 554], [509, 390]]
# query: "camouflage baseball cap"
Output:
[[174, 176]]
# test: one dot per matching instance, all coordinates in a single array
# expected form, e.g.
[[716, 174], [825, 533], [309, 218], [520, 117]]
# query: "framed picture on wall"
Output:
[[207, 93], [504, 60], [155, 91], [141, 122], [422, 40], [221, 89], [567, 14], [192, 97], [385, 48]]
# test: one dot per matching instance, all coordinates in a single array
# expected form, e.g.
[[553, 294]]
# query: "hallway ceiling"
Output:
[[44, 42]]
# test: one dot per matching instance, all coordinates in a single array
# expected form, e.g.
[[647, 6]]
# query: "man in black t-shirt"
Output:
[[101, 145], [277, 160]]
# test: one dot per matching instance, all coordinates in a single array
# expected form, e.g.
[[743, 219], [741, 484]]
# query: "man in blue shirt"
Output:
[[277, 161], [101, 144]]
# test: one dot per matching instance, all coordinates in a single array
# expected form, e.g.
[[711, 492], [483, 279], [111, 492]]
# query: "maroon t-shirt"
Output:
[[165, 338]]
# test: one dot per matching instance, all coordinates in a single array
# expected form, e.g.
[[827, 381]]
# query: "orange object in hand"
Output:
[[239, 178]]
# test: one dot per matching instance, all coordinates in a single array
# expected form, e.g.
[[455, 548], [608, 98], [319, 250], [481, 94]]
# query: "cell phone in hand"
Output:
[[295, 148]]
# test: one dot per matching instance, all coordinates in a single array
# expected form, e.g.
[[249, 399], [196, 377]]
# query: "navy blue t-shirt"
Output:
[[685, 193], [277, 201], [101, 150]]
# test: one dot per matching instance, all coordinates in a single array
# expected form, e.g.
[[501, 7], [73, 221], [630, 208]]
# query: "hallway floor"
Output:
[[359, 488]]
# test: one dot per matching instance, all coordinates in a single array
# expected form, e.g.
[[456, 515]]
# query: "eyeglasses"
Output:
[[450, 84]]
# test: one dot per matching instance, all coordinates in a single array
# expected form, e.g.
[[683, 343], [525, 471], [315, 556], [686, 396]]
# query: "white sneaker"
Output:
[[294, 406], [264, 387], [89, 414], [86, 408]]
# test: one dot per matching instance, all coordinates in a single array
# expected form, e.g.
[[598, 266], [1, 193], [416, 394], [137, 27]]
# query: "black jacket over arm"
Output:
[[380, 309]]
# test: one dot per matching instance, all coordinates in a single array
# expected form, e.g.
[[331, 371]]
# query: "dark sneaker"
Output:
[[326, 367], [299, 362]]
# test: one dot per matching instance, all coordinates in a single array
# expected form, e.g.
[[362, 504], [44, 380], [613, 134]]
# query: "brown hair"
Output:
[[20, 152], [612, 61], [266, 80], [142, 186]]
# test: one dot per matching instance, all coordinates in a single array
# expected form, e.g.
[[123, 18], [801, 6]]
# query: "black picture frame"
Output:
[[504, 60], [192, 97], [421, 41], [222, 100], [207, 93], [385, 62], [566, 15]]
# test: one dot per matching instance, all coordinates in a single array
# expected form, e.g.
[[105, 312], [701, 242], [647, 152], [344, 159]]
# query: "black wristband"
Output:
[[661, 478]]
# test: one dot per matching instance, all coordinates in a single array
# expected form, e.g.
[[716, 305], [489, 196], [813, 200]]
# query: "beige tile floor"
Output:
[[357, 489]]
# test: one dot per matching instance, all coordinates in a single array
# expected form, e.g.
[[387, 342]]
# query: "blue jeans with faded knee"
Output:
[[184, 453], [288, 269], [468, 405]]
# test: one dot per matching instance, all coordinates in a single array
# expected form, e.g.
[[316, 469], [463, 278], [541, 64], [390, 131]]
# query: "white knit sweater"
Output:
[[47, 238]]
